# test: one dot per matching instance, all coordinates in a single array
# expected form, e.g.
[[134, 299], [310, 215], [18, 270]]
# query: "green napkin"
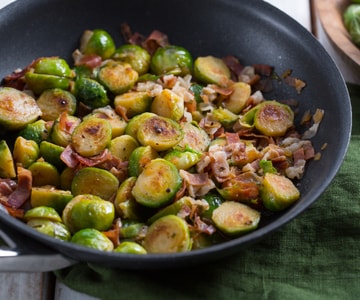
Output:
[[316, 256]]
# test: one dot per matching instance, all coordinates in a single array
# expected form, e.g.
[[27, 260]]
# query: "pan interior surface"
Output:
[[254, 31]]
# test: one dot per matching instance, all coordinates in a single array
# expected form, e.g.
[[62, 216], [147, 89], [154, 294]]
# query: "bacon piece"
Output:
[[23, 190], [197, 184], [67, 156], [234, 65], [89, 60], [7, 186], [263, 69]]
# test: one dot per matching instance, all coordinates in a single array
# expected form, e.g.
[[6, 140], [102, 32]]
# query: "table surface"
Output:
[[43, 286]]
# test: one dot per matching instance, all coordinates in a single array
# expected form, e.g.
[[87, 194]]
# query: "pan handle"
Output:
[[19, 253]]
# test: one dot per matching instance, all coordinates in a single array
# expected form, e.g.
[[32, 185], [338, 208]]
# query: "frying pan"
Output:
[[254, 31]]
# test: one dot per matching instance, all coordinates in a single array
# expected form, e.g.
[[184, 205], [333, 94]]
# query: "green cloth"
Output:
[[316, 256]]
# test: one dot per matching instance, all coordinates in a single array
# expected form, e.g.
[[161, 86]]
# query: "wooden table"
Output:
[[43, 286]]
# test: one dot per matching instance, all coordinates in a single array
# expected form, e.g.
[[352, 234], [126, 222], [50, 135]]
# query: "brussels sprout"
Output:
[[130, 248], [132, 229], [352, 22], [62, 129], [92, 238], [17, 109], [50, 197], [194, 138], [278, 192], [122, 146], [241, 92], [134, 103], [98, 42], [224, 116], [44, 173], [234, 218], [42, 212], [210, 69], [172, 209], [117, 123], [159, 132], [66, 178], [88, 211], [214, 201], [125, 204], [91, 136], [49, 73], [168, 104], [56, 230], [36, 131], [95, 181], [117, 77], [169, 234], [136, 56], [157, 184], [55, 101], [183, 160], [51, 153], [25, 151], [171, 60], [243, 187], [139, 158], [53, 66], [90, 92], [133, 125], [273, 118]]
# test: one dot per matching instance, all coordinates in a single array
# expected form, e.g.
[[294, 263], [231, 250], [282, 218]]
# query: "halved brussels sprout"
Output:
[[124, 201], [273, 118], [225, 117], [194, 138], [17, 109], [122, 146], [134, 103], [139, 158], [49, 73], [92, 238], [210, 69], [7, 166], [234, 218], [36, 131], [42, 212], [90, 92], [130, 248], [62, 129], [50, 197], [118, 124], [91, 136], [278, 192], [136, 56], [53, 102], [25, 152], [133, 125], [51, 153], [171, 60], [169, 234], [95, 181], [241, 92], [56, 230], [168, 104], [172, 209], [44, 173], [117, 77], [183, 159], [157, 184], [159, 132], [88, 211], [98, 42]]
